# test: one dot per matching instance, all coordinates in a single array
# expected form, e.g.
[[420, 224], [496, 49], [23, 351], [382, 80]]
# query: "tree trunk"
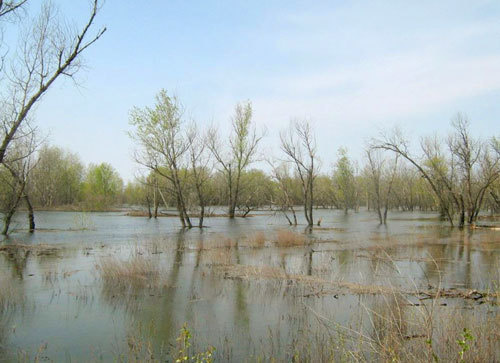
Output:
[[7, 220], [155, 202], [12, 210], [149, 207], [202, 216], [379, 212], [31, 214], [181, 212]]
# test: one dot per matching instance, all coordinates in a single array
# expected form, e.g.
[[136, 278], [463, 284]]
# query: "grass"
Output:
[[256, 240], [287, 238], [137, 272], [218, 257]]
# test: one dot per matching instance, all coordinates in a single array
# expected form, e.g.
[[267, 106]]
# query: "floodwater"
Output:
[[62, 309]]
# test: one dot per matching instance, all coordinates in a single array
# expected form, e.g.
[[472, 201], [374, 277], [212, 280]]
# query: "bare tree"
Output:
[[382, 180], [9, 7], [199, 159], [243, 143], [46, 52], [478, 169], [285, 184], [19, 169], [396, 143], [459, 177], [299, 145]]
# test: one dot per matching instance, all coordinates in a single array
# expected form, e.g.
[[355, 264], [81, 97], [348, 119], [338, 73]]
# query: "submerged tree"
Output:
[[459, 176], [381, 177], [286, 190], [165, 145], [15, 173], [200, 164], [299, 145], [344, 180], [243, 143]]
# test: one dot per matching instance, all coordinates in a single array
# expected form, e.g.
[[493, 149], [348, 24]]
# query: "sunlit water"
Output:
[[66, 312]]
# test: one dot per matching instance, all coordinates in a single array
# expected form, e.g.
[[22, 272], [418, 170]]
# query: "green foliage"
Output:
[[57, 178], [464, 343], [183, 354], [256, 189], [345, 181], [324, 191], [102, 186]]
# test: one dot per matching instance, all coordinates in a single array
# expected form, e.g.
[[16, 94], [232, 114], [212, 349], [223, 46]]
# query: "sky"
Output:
[[352, 68]]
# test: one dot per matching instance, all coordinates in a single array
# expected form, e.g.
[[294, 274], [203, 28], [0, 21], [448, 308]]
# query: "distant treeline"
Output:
[[191, 170]]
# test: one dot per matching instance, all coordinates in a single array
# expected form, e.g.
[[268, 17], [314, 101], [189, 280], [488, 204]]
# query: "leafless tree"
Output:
[[243, 143], [459, 177], [200, 161], [478, 169], [19, 168], [284, 197], [46, 51], [382, 180], [396, 143], [299, 145], [10, 7]]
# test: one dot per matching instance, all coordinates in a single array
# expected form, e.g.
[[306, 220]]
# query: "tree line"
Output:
[[193, 170], [457, 175]]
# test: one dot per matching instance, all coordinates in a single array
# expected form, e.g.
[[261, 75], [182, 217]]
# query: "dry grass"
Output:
[[331, 287], [246, 272], [386, 329], [218, 257], [221, 242], [256, 240], [136, 272], [287, 238]]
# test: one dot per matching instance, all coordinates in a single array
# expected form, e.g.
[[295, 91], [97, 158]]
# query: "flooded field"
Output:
[[105, 286]]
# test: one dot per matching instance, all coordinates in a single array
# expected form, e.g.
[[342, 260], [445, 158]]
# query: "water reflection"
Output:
[[262, 310]]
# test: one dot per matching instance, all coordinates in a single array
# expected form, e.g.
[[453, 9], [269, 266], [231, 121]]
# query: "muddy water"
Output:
[[62, 310]]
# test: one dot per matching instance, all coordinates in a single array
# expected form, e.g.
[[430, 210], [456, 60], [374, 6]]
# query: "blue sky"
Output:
[[351, 67]]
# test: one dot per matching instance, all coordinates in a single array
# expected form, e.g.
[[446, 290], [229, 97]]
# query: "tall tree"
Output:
[[102, 187], [299, 145], [459, 176], [381, 179], [57, 177], [243, 143], [15, 175], [199, 160], [46, 52], [164, 142], [345, 181], [286, 190]]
